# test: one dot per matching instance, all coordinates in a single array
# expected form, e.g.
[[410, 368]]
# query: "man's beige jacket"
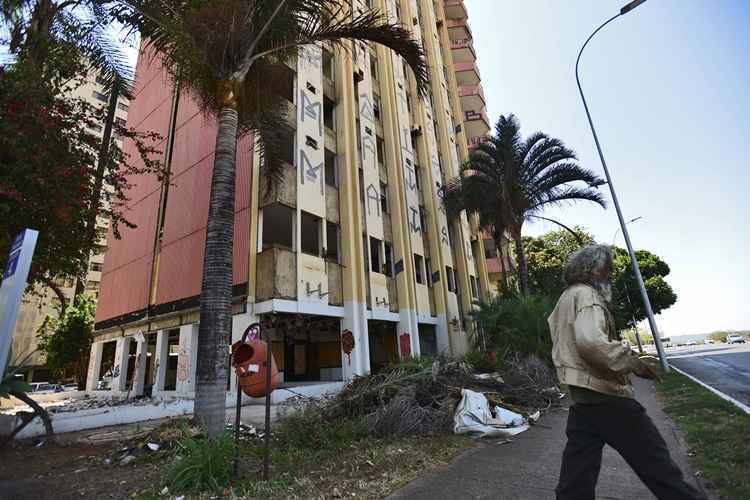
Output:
[[586, 348]]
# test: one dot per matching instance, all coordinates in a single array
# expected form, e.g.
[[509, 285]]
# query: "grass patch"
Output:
[[717, 432], [201, 464]]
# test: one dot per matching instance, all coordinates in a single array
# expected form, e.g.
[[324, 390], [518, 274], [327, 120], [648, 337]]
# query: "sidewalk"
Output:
[[528, 468]]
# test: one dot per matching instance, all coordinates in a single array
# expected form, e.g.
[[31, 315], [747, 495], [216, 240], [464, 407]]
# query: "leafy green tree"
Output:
[[547, 255], [719, 336], [646, 337], [628, 305], [509, 181], [229, 54], [66, 342]]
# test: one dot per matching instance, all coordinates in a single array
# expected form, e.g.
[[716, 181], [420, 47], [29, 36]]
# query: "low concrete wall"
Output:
[[139, 412], [7, 404]]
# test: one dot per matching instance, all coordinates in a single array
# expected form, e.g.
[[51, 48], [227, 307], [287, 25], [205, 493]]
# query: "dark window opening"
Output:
[[383, 198], [375, 260], [376, 107], [418, 176], [388, 267], [278, 226], [328, 64], [490, 249], [310, 234], [428, 270], [332, 241], [287, 85], [287, 147], [331, 171], [423, 219], [419, 268], [381, 150], [173, 353], [329, 113], [374, 66]]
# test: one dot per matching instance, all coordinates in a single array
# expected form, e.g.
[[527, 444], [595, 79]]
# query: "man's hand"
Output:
[[650, 368]]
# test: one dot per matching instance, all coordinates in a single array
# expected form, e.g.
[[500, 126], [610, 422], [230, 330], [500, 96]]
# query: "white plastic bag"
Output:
[[473, 415]]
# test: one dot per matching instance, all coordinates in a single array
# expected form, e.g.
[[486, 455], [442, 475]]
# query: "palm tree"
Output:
[[508, 181], [229, 55]]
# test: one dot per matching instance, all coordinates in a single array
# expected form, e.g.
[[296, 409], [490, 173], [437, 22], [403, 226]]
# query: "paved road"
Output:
[[725, 368]]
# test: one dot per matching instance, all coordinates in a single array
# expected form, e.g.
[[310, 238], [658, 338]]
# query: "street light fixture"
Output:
[[617, 231], [623, 226]]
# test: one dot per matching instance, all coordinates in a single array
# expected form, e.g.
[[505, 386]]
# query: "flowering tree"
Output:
[[49, 174]]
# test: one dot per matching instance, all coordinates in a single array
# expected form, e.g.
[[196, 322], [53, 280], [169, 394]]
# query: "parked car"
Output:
[[708, 341], [691, 342], [70, 387], [45, 388], [733, 338]]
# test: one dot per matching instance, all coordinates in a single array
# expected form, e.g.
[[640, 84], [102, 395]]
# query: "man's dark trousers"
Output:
[[623, 424]]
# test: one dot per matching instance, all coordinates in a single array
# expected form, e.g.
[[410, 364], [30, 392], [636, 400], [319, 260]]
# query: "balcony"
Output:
[[458, 29], [476, 123], [472, 97], [467, 73], [463, 51], [455, 9]]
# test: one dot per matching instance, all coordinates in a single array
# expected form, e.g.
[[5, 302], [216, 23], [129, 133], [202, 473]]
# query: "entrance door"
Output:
[[383, 344]]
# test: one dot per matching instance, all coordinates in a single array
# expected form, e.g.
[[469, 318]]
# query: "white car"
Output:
[[44, 388], [708, 341], [691, 342], [733, 338]]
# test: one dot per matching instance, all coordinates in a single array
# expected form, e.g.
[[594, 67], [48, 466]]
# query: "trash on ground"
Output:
[[474, 416]]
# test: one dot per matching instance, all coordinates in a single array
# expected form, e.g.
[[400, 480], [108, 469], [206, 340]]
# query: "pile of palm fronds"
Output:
[[419, 397]]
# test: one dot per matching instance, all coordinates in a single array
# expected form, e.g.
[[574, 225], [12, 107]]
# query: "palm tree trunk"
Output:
[[523, 270], [503, 269], [215, 328]]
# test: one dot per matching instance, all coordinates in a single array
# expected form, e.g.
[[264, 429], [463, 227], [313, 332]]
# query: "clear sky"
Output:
[[667, 86]]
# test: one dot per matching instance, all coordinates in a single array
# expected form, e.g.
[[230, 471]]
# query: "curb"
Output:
[[742, 406]]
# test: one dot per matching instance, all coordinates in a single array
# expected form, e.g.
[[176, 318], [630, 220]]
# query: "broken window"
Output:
[[106, 368], [383, 198], [173, 353], [381, 150], [132, 350], [328, 64], [423, 219], [375, 260], [388, 267], [310, 234], [332, 241], [331, 171], [451, 279], [474, 287], [329, 113], [278, 226], [419, 268], [287, 147], [490, 249]]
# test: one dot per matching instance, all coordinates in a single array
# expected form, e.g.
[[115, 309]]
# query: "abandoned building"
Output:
[[354, 243]]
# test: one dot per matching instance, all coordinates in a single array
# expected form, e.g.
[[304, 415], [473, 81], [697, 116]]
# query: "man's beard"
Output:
[[605, 290]]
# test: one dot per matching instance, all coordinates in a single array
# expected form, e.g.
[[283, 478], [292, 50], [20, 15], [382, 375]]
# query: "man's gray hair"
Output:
[[586, 265]]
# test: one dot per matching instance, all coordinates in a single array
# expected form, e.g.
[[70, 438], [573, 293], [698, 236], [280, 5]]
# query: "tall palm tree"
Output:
[[229, 55], [508, 181]]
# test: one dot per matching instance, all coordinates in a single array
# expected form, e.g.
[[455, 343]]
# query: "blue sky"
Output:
[[667, 87]]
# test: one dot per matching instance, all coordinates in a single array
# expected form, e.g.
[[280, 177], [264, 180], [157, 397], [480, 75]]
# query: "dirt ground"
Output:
[[71, 470]]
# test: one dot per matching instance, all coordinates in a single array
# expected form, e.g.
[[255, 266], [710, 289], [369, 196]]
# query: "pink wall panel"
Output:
[[187, 109], [180, 268], [193, 142], [124, 290], [240, 256], [136, 242], [187, 204], [244, 172]]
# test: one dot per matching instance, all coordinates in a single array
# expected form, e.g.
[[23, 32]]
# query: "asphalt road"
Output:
[[723, 367]]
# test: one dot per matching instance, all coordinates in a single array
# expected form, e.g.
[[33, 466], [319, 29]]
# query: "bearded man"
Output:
[[595, 363]]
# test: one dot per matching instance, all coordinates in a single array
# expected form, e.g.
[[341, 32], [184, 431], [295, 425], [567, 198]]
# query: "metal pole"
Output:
[[237, 419], [623, 226], [267, 437]]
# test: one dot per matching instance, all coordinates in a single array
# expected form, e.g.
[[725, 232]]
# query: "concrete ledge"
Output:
[[106, 416]]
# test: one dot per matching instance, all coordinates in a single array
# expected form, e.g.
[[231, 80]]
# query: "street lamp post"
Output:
[[617, 231], [636, 269]]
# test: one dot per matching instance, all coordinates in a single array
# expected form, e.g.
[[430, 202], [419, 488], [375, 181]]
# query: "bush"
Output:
[[483, 362], [305, 429], [204, 464], [518, 325]]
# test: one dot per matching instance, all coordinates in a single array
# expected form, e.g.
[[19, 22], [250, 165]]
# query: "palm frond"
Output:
[[569, 194], [560, 174]]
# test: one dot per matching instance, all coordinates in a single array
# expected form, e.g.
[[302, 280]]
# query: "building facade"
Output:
[[354, 244], [45, 301]]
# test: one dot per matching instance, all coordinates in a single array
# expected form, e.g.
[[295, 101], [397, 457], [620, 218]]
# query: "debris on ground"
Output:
[[474, 416], [420, 398]]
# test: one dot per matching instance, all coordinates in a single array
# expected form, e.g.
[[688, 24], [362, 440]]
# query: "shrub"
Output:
[[483, 362], [305, 428], [203, 465], [518, 325]]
